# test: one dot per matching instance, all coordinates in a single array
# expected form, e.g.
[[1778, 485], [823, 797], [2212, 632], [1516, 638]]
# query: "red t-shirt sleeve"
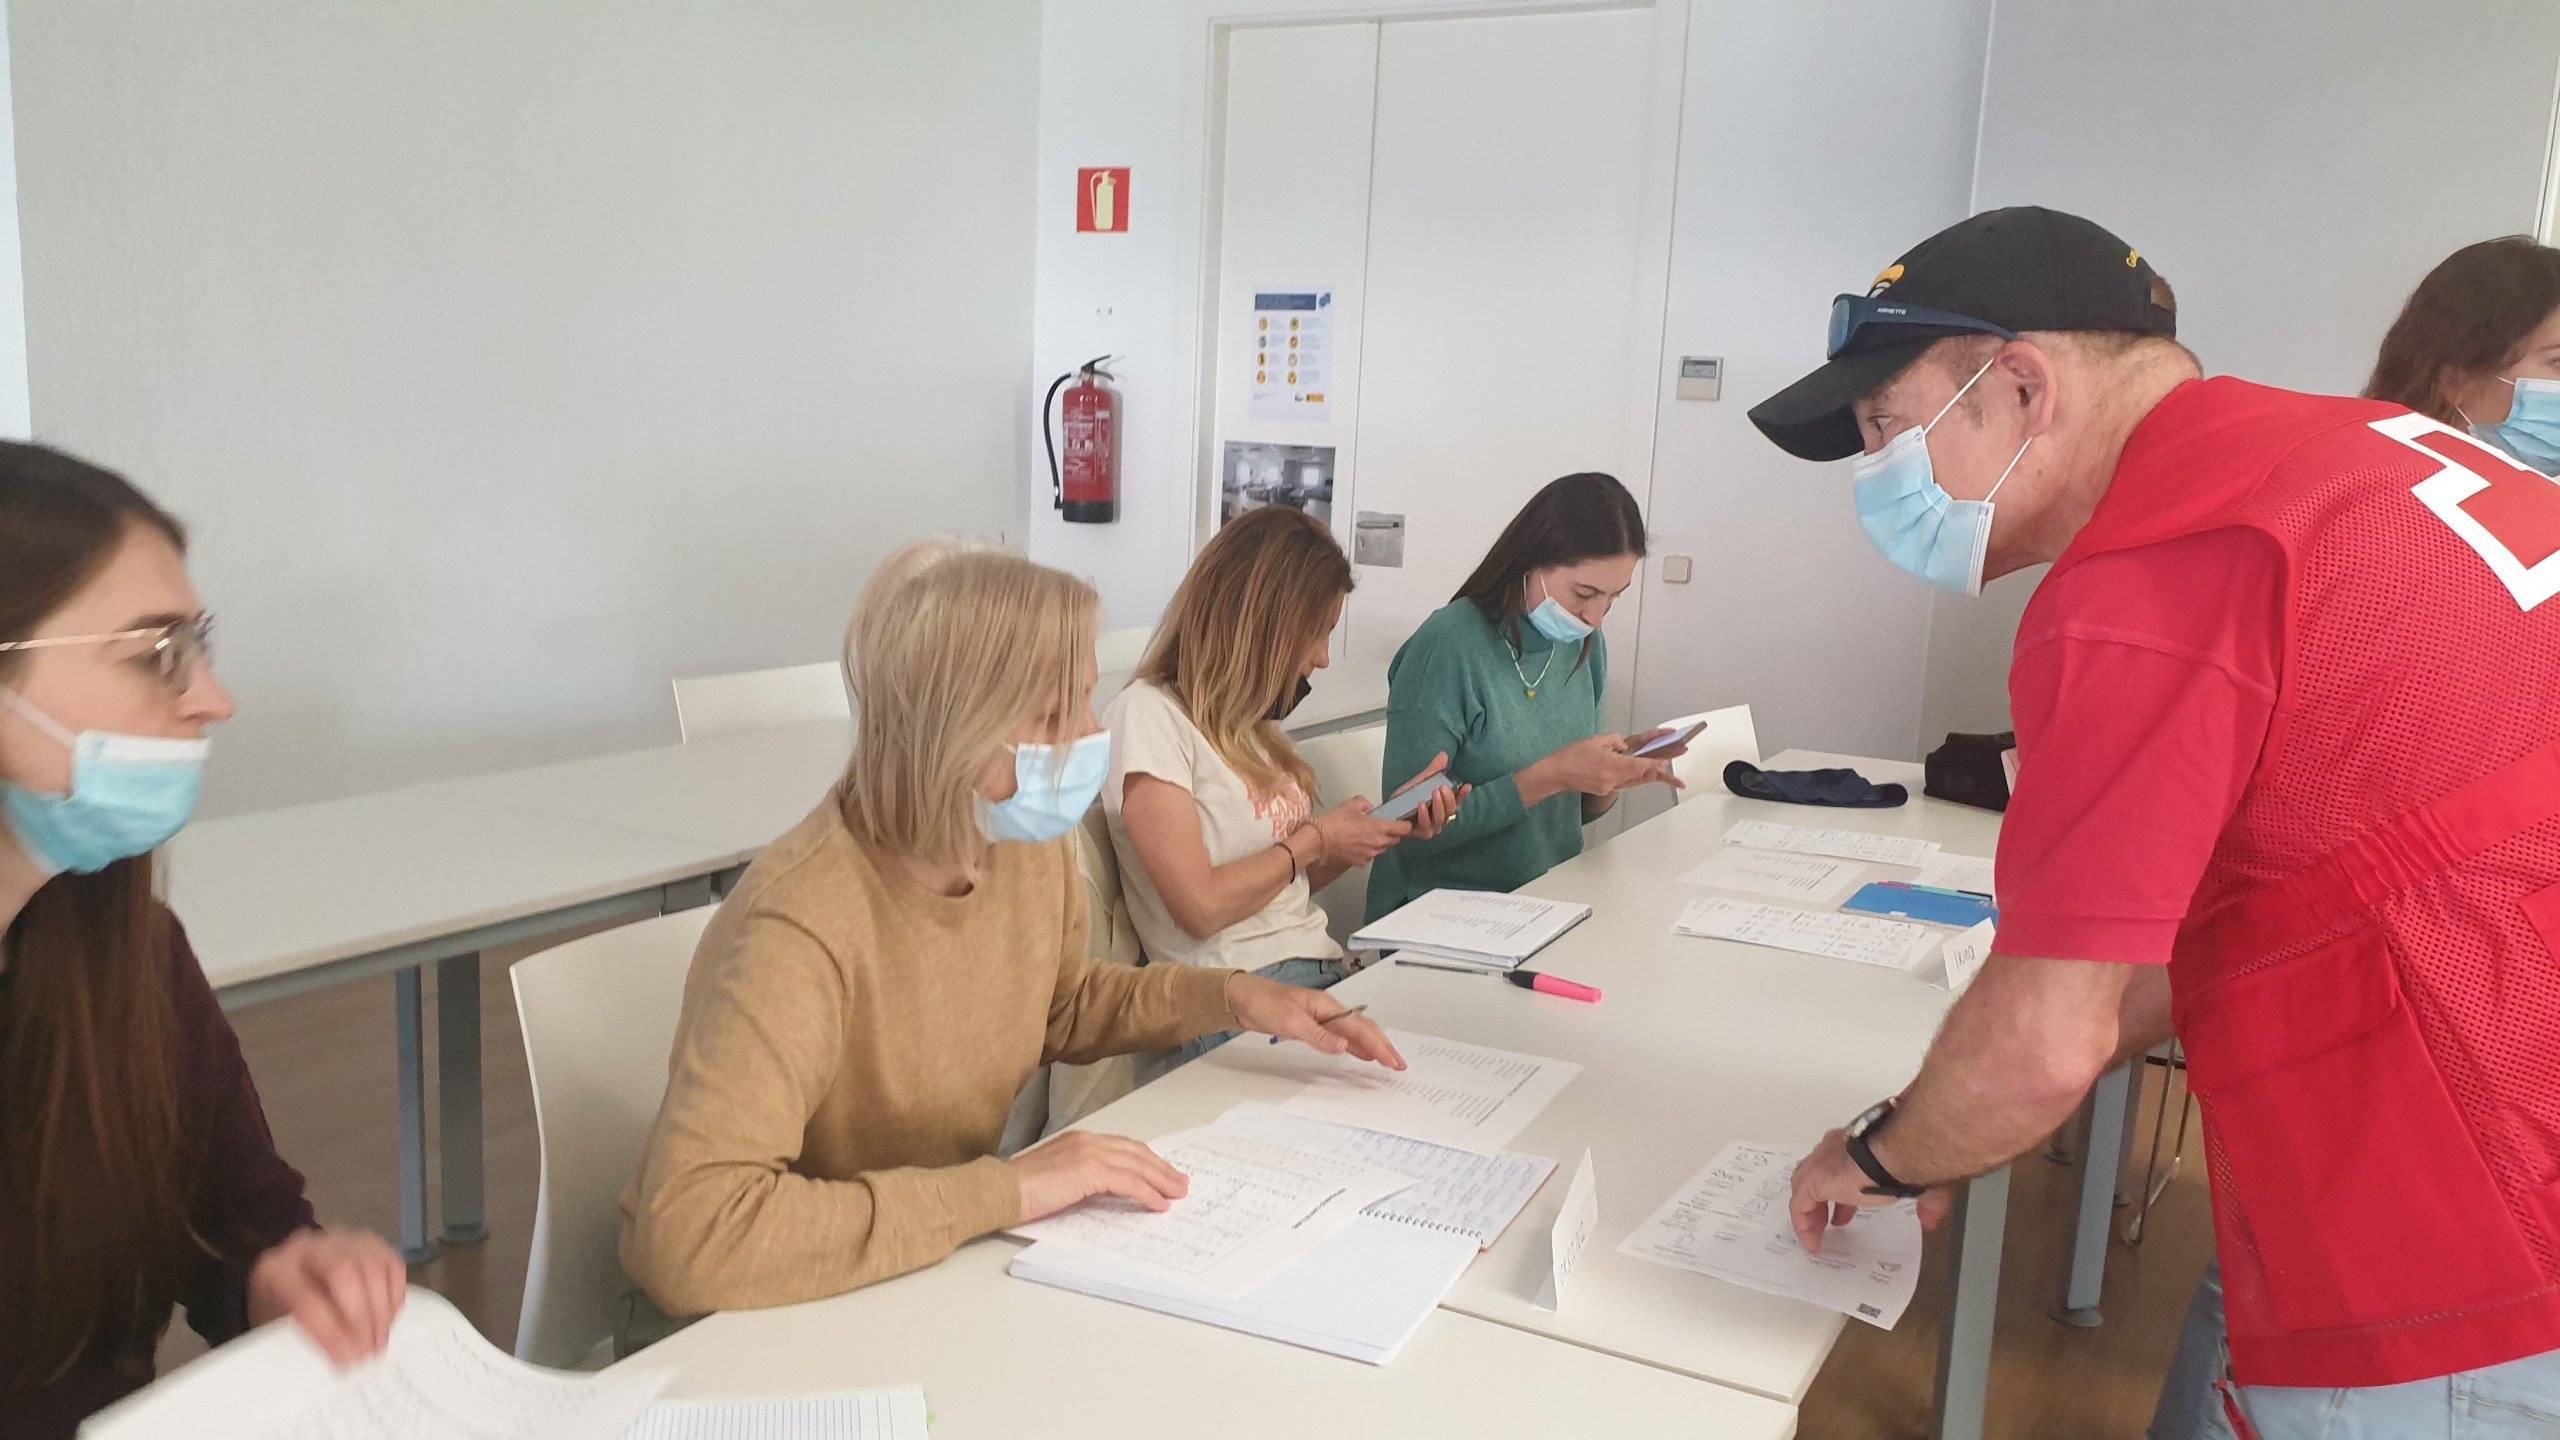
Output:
[[2142, 688]]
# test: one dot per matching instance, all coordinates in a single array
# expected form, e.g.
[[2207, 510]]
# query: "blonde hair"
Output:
[[952, 650], [1255, 600]]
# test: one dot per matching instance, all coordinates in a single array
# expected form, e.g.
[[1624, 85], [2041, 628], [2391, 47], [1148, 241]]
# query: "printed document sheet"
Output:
[[1866, 939], [1838, 844], [439, 1380], [1811, 879], [1730, 1221], [1253, 1210], [1450, 1093]]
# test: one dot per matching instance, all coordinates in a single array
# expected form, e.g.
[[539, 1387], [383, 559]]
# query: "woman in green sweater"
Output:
[[1507, 680]]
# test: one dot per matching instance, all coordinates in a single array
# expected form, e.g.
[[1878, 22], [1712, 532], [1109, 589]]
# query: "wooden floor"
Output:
[[324, 1065]]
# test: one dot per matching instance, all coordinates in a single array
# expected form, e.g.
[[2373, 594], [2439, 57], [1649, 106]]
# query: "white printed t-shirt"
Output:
[[1150, 735]]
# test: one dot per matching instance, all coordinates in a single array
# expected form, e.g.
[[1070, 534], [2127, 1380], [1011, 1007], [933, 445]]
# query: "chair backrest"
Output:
[[1116, 656], [599, 1017], [1111, 938], [1727, 738], [709, 705], [1346, 764]]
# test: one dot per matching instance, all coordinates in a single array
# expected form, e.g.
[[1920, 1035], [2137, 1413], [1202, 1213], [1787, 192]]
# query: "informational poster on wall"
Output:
[[1257, 474], [1292, 360]]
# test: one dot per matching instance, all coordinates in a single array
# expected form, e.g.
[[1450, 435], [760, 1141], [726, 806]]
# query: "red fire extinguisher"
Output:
[[1088, 486]]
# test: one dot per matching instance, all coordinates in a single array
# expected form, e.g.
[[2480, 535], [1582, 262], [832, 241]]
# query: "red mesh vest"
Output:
[[2366, 982]]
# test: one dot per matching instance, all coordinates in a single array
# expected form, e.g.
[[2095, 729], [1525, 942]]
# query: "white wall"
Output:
[[511, 359], [1790, 184], [1805, 169], [1127, 82], [14, 422], [2293, 171]]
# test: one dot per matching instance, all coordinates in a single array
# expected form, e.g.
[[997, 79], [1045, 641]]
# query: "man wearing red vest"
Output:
[[2288, 714]]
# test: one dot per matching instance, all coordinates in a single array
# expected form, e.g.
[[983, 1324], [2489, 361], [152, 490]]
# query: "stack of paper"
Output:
[[438, 1381], [1866, 939], [1473, 927], [1731, 1221], [1337, 1221], [1838, 844], [856, 1415], [1361, 1295]]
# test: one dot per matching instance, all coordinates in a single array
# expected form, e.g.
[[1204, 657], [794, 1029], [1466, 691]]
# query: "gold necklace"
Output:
[[1525, 682]]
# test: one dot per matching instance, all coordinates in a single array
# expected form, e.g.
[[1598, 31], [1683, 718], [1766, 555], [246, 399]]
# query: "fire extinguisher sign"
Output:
[[1102, 200]]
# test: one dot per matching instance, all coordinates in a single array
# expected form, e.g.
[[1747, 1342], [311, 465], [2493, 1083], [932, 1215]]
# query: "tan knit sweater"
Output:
[[849, 1048]]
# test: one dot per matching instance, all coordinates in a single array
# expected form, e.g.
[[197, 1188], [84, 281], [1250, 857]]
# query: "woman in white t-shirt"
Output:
[[1212, 811]]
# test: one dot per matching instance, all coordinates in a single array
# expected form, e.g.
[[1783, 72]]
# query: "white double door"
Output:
[[1484, 205]]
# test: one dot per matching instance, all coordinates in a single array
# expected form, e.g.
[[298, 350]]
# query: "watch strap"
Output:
[[1864, 1156]]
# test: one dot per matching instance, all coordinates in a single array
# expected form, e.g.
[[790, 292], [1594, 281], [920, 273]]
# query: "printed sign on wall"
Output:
[[1102, 200]]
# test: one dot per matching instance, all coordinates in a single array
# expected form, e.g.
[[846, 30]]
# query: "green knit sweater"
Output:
[[1457, 687]]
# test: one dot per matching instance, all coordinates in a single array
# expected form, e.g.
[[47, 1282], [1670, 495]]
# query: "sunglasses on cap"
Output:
[[1853, 313]]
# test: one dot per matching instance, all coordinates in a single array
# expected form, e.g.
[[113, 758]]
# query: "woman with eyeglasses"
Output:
[[1506, 680], [137, 1174]]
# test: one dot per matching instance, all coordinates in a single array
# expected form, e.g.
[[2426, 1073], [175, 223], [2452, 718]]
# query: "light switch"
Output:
[[1675, 569]]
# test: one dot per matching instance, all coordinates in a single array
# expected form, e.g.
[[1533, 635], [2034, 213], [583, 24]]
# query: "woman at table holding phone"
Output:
[[867, 1003], [137, 1174], [1212, 810], [1507, 681]]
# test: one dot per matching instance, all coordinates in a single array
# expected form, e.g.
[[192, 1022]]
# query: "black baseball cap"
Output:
[[1999, 273]]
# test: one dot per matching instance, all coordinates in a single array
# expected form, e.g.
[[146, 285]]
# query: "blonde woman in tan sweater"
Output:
[[867, 1003]]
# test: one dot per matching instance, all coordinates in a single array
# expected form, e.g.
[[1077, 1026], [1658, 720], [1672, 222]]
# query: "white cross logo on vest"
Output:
[[2508, 514]]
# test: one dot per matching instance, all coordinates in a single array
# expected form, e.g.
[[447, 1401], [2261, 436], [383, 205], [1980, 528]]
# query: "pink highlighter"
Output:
[[1554, 985]]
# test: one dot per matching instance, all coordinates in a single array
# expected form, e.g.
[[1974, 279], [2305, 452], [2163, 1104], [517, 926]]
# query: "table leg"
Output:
[[1964, 1350], [458, 1104], [410, 1031], [2127, 1182], [2101, 1160]]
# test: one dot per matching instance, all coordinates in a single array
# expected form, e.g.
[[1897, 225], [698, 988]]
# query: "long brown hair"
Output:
[[1256, 599], [1584, 516], [2469, 316], [92, 1187]]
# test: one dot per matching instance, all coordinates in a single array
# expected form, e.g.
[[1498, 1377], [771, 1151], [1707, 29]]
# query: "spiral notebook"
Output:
[[1365, 1290], [1361, 1295], [1455, 1192]]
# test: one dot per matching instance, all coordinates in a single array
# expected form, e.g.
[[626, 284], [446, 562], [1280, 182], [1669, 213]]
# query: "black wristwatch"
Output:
[[1865, 1128]]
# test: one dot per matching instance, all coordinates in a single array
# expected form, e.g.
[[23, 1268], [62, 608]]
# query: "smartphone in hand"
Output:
[[1403, 806], [1672, 741]]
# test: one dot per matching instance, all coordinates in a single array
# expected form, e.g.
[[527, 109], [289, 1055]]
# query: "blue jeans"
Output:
[[1305, 974], [2502, 1402]]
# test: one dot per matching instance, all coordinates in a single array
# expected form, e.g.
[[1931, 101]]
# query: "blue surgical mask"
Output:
[[129, 795], [2531, 431], [1911, 517], [1556, 622], [1049, 799]]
